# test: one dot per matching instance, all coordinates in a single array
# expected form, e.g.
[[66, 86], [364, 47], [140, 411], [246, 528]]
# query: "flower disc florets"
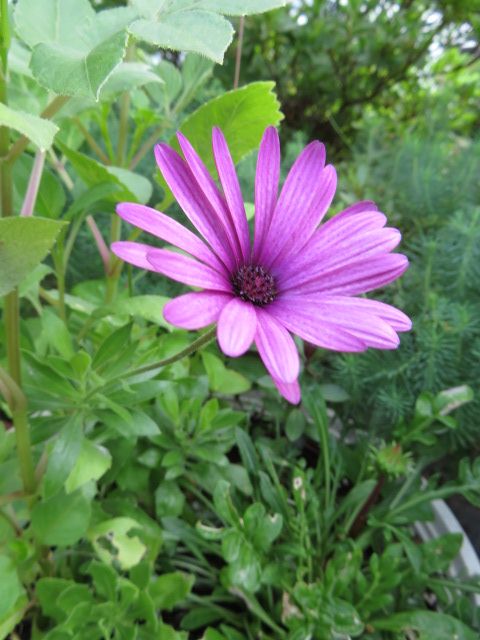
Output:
[[254, 284]]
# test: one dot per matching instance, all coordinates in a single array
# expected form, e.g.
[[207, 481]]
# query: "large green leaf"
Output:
[[24, 242], [182, 26], [242, 115], [41, 132], [91, 464], [61, 520], [74, 49], [128, 76]]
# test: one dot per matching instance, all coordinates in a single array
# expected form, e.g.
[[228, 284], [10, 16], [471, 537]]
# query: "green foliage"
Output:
[[41, 132], [24, 242]]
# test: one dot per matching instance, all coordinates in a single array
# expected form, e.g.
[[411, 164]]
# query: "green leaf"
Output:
[[40, 131], [169, 500], [130, 186], [182, 26], [126, 549], [295, 425], [63, 456], [128, 76], [74, 49], [138, 424], [428, 625], [170, 589], [10, 586], [222, 379], [24, 242], [61, 520], [242, 114], [240, 7], [148, 307], [48, 591], [9, 621], [91, 464]]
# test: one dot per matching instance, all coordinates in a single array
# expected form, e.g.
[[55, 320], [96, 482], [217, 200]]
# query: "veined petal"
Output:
[[303, 186], [195, 310], [267, 177], [320, 256], [310, 326], [289, 390], [231, 189], [393, 316], [192, 200], [356, 277], [186, 270], [134, 253], [210, 189], [236, 327], [277, 348], [169, 230]]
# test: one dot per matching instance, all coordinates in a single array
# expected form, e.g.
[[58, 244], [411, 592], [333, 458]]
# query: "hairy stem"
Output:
[[33, 185]]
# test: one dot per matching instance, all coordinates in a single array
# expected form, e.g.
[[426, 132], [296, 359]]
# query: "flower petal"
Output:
[[356, 277], [307, 324], [395, 318], [277, 348], [169, 230], [195, 310], [186, 270], [320, 256], [267, 177], [289, 390], [210, 189], [236, 327], [303, 201], [192, 200], [316, 316], [231, 189], [134, 253]]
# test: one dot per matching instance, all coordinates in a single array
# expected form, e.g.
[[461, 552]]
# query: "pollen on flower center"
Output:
[[255, 284]]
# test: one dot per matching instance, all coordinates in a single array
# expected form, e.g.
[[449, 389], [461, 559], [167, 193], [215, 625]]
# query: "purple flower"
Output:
[[295, 279]]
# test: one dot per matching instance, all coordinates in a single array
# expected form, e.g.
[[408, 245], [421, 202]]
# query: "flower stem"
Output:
[[238, 55], [12, 380], [197, 344]]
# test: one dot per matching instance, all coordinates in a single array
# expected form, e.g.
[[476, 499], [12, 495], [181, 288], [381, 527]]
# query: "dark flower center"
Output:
[[254, 284]]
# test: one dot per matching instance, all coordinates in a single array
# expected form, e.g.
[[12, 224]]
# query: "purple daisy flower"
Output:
[[297, 278]]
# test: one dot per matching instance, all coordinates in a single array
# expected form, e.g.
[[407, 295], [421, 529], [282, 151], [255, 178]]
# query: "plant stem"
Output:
[[197, 344], [33, 184], [18, 405], [94, 146], [238, 56]]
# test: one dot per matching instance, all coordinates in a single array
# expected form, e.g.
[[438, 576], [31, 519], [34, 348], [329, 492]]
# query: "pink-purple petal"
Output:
[[303, 186], [308, 326], [231, 188], [289, 390], [320, 256], [169, 230], [211, 192], [192, 200], [355, 278], [236, 327], [276, 348], [195, 310], [267, 177], [187, 270], [134, 253]]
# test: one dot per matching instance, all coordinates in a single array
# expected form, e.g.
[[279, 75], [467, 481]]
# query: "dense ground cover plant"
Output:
[[150, 487]]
